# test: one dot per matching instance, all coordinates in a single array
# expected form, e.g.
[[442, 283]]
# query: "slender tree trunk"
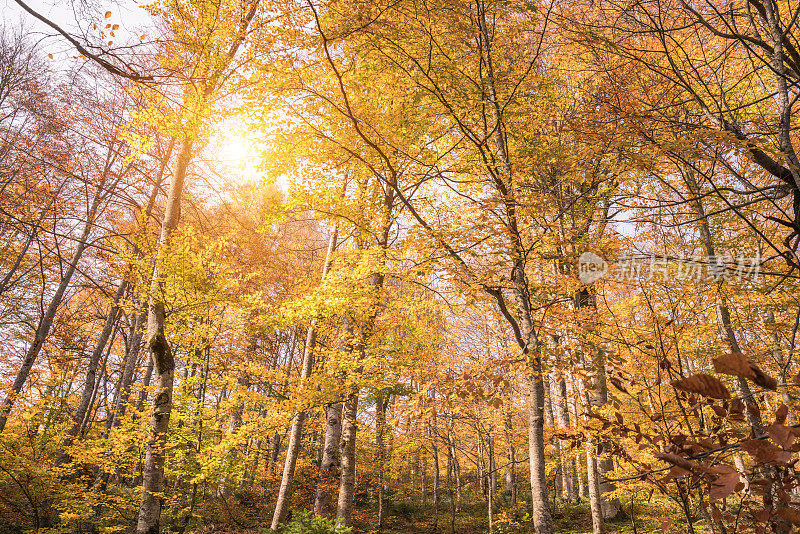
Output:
[[162, 358], [135, 332], [424, 483], [543, 522], [435, 454], [272, 459], [450, 475], [549, 422], [511, 479], [457, 467], [46, 322], [295, 435], [380, 429], [480, 465], [595, 497], [492, 465], [91, 375], [561, 413]]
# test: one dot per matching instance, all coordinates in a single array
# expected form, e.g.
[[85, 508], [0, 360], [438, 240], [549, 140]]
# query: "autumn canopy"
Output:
[[400, 266]]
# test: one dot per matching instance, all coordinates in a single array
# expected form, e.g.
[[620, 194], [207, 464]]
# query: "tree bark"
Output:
[[148, 521], [511, 479], [382, 402], [293, 449], [329, 467], [347, 481]]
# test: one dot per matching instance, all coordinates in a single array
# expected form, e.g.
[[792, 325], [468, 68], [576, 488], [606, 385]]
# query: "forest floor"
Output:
[[568, 519]]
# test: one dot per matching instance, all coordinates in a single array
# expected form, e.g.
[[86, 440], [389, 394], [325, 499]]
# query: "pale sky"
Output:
[[76, 18]]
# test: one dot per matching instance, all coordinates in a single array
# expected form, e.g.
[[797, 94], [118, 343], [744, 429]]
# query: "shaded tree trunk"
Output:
[[382, 402], [347, 450], [510, 471], [329, 467]]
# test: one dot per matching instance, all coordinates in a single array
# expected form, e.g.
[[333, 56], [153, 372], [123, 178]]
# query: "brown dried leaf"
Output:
[[735, 364], [762, 515], [789, 514], [781, 413], [780, 435], [723, 486], [703, 384], [719, 410], [674, 459], [762, 379]]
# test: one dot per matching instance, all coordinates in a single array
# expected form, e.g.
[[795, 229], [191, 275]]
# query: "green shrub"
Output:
[[307, 523]]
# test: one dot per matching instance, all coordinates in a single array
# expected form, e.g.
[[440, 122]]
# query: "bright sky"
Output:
[[77, 18], [237, 150]]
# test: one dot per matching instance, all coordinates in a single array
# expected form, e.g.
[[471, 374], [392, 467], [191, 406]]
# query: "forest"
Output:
[[399, 266]]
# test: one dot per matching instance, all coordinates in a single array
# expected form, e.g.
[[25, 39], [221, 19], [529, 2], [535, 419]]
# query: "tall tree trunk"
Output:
[[161, 356], [135, 333], [295, 435], [561, 413], [436, 485], [543, 522], [91, 374], [329, 467], [592, 471], [423, 498], [347, 481], [480, 465], [524, 331], [272, 459], [382, 402], [492, 465], [511, 479], [595, 497], [549, 422]]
